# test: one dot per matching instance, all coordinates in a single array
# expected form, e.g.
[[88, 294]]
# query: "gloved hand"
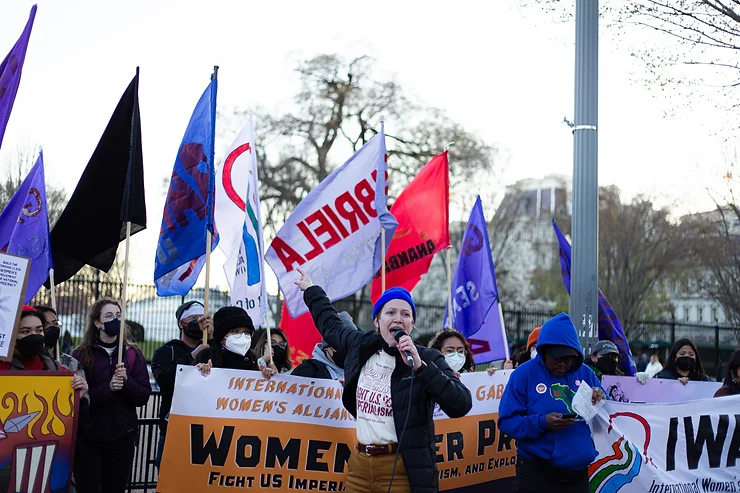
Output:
[[642, 377]]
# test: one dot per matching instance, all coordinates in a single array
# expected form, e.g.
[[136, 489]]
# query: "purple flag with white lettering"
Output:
[[475, 294], [10, 74]]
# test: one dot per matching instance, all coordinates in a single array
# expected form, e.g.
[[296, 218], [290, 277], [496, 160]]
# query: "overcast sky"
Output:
[[501, 71]]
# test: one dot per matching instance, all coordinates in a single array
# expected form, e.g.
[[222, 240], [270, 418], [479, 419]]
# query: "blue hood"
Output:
[[560, 331]]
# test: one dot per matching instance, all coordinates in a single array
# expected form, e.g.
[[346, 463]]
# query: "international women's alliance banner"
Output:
[[233, 429]]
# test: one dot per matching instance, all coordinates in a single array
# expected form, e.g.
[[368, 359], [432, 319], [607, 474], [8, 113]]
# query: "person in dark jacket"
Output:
[[192, 321], [604, 359], [327, 363], [554, 449], [731, 383], [279, 357], [105, 453], [394, 412], [52, 328], [684, 364]]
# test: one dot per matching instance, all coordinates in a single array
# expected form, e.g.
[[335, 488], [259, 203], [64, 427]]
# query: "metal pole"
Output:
[[584, 277]]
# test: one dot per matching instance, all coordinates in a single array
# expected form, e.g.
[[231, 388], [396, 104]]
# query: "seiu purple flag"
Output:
[[609, 326], [10, 74], [24, 227], [475, 300], [188, 208]]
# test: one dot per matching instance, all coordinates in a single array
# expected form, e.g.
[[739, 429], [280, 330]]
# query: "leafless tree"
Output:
[[336, 111]]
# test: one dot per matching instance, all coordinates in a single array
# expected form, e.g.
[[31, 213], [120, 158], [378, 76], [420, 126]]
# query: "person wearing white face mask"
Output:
[[455, 349], [229, 348]]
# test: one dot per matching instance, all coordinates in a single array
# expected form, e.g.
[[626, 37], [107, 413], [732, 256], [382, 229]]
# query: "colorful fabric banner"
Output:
[[239, 222], [38, 429], [422, 212], [334, 234], [656, 390], [302, 335], [609, 326], [10, 73], [690, 447], [188, 208], [24, 227], [475, 294], [292, 433]]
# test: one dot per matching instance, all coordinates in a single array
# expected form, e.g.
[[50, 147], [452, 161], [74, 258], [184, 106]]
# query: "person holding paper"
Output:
[[554, 447], [684, 364], [391, 387]]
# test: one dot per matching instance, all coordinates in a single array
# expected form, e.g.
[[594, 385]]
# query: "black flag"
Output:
[[109, 193]]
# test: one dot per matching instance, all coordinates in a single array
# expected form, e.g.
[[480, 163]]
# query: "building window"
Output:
[[686, 313], [715, 316], [699, 314]]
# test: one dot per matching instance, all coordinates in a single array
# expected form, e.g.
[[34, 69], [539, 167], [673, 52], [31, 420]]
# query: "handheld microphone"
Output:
[[397, 335]]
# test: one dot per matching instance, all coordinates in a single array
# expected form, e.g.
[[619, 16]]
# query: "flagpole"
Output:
[[449, 254], [124, 296], [503, 331], [52, 288], [208, 230], [382, 266]]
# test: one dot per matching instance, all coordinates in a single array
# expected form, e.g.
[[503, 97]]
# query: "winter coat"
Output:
[[312, 368], [668, 374], [433, 383], [113, 414], [164, 369]]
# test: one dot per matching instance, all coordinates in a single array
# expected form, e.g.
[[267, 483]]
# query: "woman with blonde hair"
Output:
[[105, 453]]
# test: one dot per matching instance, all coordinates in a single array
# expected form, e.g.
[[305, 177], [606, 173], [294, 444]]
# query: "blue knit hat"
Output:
[[394, 294]]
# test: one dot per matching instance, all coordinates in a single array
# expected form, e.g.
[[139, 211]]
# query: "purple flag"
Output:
[[10, 74], [24, 227], [475, 300], [609, 326]]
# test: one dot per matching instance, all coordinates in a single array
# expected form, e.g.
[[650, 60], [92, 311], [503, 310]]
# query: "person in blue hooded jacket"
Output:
[[554, 447]]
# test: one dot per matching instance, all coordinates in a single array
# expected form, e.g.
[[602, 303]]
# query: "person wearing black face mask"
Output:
[[327, 363], [191, 321], [280, 356], [684, 364], [605, 359], [52, 328]]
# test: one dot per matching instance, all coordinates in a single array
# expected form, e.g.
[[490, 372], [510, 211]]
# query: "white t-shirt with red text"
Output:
[[375, 423]]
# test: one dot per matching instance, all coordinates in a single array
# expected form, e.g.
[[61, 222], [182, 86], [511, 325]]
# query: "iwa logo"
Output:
[[610, 474]]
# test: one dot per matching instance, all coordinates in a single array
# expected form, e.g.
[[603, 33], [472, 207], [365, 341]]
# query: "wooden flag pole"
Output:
[[503, 332], [208, 281], [54, 306], [450, 309], [124, 296]]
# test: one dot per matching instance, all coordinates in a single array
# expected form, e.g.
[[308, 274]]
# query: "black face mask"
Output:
[[112, 327], [193, 330], [30, 346], [51, 336], [607, 366], [338, 359], [685, 363], [279, 355]]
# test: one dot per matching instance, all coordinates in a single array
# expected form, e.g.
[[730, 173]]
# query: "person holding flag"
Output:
[[398, 419]]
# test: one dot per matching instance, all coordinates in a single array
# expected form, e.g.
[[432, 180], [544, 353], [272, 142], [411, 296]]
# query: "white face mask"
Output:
[[238, 343], [455, 361], [533, 352]]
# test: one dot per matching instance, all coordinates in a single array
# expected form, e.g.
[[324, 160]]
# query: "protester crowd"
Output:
[[548, 435]]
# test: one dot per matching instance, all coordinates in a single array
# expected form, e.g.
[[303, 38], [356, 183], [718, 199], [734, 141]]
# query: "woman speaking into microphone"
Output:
[[390, 387]]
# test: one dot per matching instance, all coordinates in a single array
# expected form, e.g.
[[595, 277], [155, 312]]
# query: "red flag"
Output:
[[302, 335], [422, 212]]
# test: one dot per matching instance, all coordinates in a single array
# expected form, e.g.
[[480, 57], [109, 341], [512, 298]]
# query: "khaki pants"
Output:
[[372, 474]]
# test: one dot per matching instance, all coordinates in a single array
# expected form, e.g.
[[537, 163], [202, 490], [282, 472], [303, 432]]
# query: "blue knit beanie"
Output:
[[394, 294]]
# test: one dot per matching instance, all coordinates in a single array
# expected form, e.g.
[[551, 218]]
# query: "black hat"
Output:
[[228, 318], [556, 351]]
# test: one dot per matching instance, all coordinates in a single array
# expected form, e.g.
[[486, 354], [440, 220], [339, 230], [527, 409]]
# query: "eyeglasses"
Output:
[[461, 351], [110, 316], [281, 344]]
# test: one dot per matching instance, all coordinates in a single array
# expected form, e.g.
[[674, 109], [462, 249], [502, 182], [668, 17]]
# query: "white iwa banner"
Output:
[[239, 223], [334, 234], [667, 448]]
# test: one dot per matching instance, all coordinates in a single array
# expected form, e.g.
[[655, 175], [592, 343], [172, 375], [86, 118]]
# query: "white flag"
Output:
[[334, 233], [239, 224]]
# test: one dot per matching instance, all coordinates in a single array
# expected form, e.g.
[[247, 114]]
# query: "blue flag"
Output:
[[24, 227], [10, 73], [188, 209], [609, 326], [475, 294]]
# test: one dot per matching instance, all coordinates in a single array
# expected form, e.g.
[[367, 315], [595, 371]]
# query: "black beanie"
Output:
[[228, 318]]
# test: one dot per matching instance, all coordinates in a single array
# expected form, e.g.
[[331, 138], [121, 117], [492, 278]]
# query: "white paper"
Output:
[[582, 403], [13, 272]]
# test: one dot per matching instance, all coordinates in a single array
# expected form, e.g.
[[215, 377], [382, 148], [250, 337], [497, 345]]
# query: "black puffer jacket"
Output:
[[434, 383]]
